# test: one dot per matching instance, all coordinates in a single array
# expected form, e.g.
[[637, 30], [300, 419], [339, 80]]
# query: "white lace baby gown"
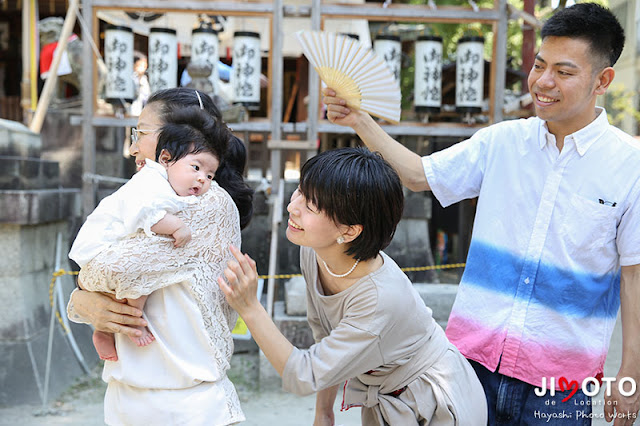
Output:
[[180, 378], [138, 204]]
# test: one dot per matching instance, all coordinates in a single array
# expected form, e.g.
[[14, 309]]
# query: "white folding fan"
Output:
[[354, 71]]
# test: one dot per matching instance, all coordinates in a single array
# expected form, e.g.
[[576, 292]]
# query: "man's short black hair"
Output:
[[191, 130], [354, 186], [593, 23]]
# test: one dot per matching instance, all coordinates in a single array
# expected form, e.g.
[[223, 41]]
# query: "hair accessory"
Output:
[[199, 99], [340, 240], [341, 275]]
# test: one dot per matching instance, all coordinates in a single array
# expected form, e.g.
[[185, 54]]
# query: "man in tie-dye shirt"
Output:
[[555, 250]]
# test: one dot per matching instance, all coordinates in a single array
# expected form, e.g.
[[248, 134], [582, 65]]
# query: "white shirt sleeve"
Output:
[[456, 173], [628, 234]]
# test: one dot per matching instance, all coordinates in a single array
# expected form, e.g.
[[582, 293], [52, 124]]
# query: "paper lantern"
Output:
[[163, 59], [205, 47], [427, 83], [390, 49], [118, 57], [470, 74], [247, 68]]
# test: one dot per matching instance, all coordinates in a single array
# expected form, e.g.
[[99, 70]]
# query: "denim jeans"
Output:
[[513, 402]]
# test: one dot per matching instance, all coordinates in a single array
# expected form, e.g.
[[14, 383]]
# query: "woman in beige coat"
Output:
[[372, 330]]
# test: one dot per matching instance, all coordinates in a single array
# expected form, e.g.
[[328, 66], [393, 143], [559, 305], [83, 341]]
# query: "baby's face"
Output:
[[193, 173]]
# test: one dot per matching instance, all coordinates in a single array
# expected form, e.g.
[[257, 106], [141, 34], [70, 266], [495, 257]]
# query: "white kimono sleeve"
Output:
[[138, 264], [139, 204], [147, 198]]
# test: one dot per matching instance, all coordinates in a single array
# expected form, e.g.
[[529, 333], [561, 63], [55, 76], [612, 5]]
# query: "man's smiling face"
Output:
[[563, 84]]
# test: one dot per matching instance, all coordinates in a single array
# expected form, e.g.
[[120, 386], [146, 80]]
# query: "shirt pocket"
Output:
[[589, 224]]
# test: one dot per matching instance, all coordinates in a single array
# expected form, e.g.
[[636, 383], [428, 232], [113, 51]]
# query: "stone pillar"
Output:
[[411, 245], [33, 211]]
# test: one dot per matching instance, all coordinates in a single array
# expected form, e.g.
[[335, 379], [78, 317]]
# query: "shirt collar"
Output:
[[584, 137]]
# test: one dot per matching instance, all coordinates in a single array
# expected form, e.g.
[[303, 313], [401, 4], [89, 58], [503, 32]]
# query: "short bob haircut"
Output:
[[593, 23], [354, 186], [190, 131]]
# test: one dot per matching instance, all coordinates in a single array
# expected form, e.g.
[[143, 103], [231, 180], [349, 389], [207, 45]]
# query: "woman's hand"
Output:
[[106, 313], [242, 276], [338, 112], [241, 295]]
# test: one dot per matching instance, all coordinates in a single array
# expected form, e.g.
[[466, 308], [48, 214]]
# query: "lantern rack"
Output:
[[318, 11], [498, 16], [275, 11], [272, 11]]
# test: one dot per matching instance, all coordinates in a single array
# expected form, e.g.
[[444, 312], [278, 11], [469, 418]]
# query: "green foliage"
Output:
[[452, 32], [620, 103]]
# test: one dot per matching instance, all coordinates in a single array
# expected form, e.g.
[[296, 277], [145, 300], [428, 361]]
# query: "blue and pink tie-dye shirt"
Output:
[[540, 293]]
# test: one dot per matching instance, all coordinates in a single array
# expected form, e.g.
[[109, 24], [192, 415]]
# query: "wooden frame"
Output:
[[497, 16], [275, 10], [271, 10]]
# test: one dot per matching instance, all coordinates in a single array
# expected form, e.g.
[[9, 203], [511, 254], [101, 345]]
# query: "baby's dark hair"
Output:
[[191, 130], [168, 101], [592, 23], [354, 186]]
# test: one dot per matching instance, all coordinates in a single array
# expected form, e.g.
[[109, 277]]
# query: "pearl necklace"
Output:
[[341, 275]]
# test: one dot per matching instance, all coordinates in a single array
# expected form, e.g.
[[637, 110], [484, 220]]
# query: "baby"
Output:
[[187, 157]]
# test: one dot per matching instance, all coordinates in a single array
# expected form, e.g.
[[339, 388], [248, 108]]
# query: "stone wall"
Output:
[[27, 260], [34, 210], [62, 143]]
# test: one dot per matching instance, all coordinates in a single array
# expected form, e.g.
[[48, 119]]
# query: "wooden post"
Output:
[[277, 184], [528, 44], [277, 67], [88, 99], [50, 83], [499, 62], [314, 81], [25, 84]]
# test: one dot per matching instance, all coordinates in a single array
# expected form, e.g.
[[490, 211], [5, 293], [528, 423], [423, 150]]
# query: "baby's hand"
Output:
[[182, 236]]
